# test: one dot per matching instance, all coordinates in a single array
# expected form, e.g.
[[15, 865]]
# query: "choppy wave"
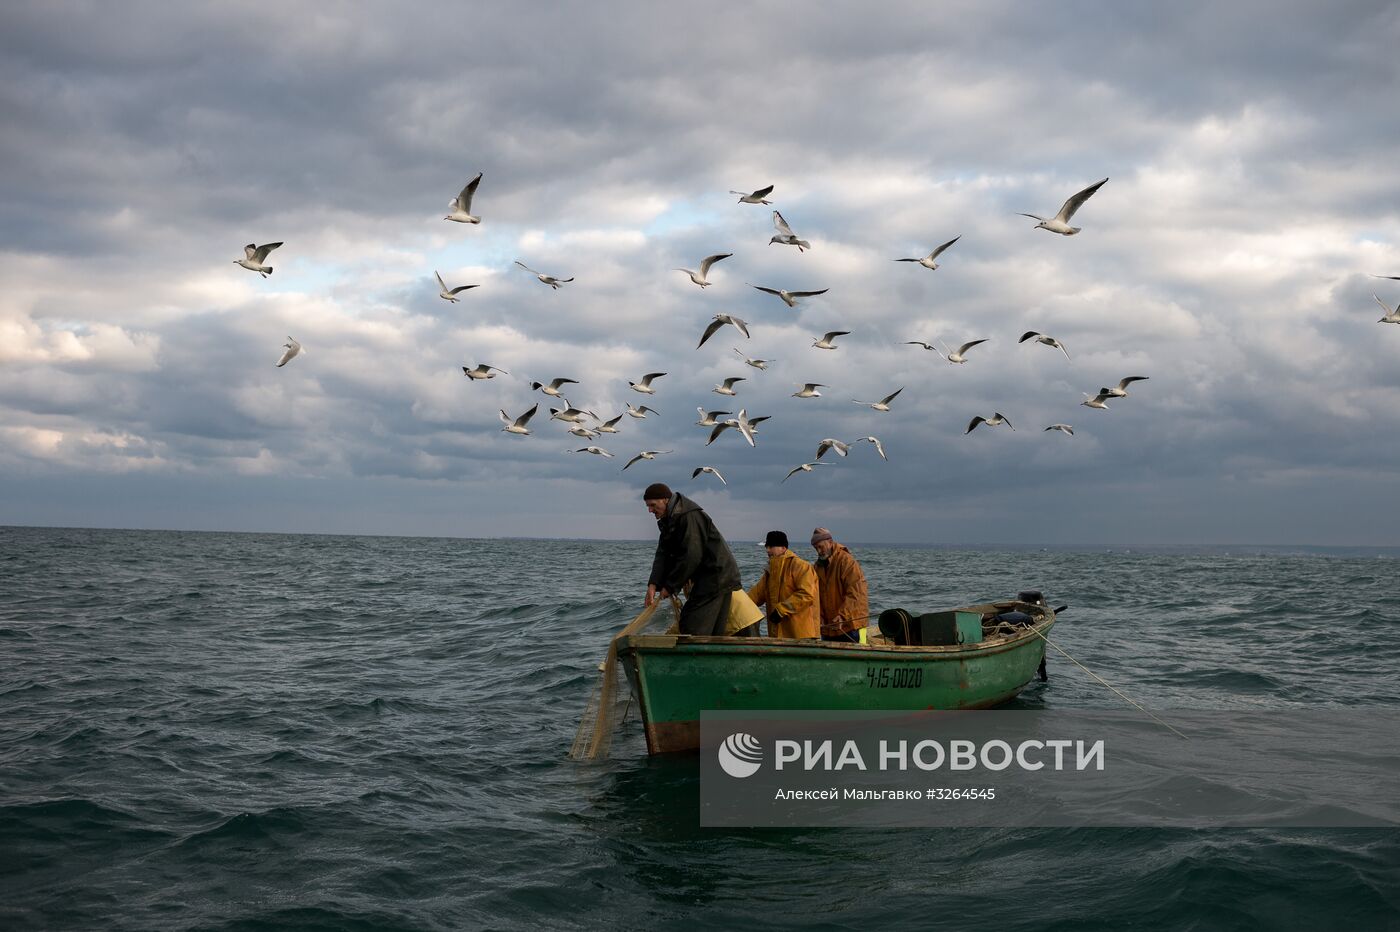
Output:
[[234, 731]]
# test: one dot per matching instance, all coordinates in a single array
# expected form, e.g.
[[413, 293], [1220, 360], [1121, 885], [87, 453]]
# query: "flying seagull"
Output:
[[1042, 338], [705, 263], [610, 427], [1062, 428], [1097, 401], [644, 386], [549, 280], [450, 294], [708, 418], [482, 371], [805, 467], [1391, 317], [1060, 222], [995, 420], [756, 363], [832, 444], [596, 451], [743, 424], [785, 235], [879, 447], [647, 455], [709, 469], [727, 388], [253, 257], [1121, 391], [569, 414], [720, 320], [927, 346], [828, 340], [928, 260], [462, 203], [517, 426], [957, 355], [292, 349], [578, 430], [883, 404], [809, 390], [641, 412], [553, 387], [790, 297], [757, 197]]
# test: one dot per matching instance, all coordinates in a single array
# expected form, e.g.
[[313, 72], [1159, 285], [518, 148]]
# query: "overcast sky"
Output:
[[1251, 152]]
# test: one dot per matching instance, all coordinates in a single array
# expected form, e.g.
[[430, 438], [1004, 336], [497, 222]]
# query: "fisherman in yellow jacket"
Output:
[[844, 599], [789, 589]]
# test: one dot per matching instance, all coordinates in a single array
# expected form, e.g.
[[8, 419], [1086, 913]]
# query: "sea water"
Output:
[[261, 731]]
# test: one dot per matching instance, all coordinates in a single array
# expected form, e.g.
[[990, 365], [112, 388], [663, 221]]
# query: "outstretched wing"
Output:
[[808, 294], [972, 425], [766, 291], [525, 418], [781, 224], [526, 267], [939, 251], [464, 200], [708, 261], [1028, 335], [460, 288], [1124, 383], [833, 334], [888, 398], [1076, 201], [967, 346], [262, 251], [761, 192], [709, 332]]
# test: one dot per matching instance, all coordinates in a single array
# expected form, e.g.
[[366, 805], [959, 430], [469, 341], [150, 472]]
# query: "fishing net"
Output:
[[608, 703]]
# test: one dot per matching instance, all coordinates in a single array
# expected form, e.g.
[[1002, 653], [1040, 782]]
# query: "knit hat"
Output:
[[775, 539], [657, 490], [819, 535]]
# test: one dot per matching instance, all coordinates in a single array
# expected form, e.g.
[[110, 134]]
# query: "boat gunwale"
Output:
[[778, 646]]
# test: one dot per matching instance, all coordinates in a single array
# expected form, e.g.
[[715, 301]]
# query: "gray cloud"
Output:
[[1251, 188]]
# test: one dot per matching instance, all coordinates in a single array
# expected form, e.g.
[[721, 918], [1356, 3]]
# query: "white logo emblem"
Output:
[[741, 755]]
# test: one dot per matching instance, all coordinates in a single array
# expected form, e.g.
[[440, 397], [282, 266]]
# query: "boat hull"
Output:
[[676, 678]]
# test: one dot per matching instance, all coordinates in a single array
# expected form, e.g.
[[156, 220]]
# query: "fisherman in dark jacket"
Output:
[[690, 550]]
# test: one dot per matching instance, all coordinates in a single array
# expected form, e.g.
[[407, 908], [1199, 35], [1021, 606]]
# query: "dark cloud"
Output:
[[1251, 186]]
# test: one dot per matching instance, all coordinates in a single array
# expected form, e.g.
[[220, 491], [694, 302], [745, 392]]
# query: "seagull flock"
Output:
[[743, 424]]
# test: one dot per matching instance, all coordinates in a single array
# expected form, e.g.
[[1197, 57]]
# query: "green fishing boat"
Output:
[[973, 657]]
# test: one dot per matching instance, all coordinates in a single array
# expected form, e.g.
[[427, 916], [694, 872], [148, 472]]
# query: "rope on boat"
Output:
[[606, 706], [1120, 693]]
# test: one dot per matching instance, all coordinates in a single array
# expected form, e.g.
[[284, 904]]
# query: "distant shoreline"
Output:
[[1319, 550]]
